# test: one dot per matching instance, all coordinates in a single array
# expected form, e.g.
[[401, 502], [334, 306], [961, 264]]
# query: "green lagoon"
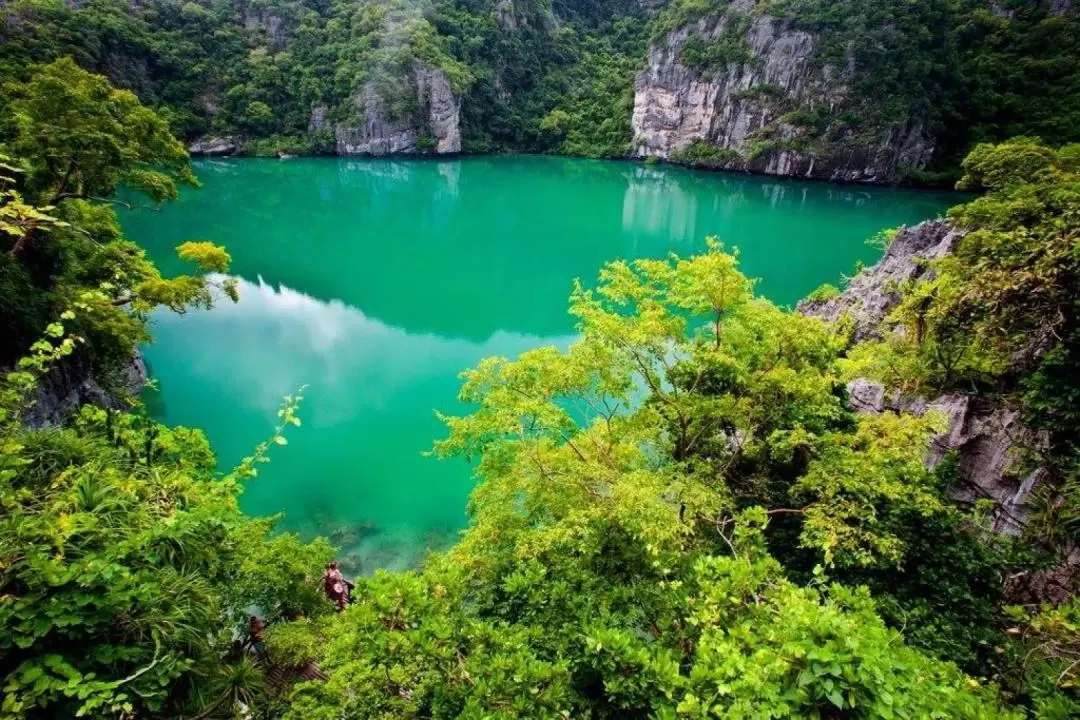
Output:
[[375, 282]]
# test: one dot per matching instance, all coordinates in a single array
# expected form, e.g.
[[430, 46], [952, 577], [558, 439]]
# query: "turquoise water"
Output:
[[375, 282]]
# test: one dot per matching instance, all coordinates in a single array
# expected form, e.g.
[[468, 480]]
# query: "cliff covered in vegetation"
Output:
[[864, 90], [851, 90], [757, 86]]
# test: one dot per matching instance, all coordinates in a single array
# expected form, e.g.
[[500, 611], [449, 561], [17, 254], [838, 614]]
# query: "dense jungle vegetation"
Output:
[[557, 76], [679, 516]]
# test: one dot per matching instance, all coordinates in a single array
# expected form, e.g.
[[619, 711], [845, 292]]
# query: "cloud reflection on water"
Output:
[[368, 413]]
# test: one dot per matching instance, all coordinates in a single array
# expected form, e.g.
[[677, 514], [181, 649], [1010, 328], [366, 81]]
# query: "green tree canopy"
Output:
[[75, 143], [80, 138], [618, 564]]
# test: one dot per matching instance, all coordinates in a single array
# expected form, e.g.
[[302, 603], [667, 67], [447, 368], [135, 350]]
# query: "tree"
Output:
[[617, 561], [82, 138], [127, 567], [76, 142], [686, 395], [259, 118]]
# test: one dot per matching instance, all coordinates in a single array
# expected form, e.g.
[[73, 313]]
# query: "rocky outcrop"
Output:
[[317, 120], [272, 25], [432, 123], [508, 17], [214, 146], [872, 294], [1055, 585], [71, 384], [985, 435], [747, 105], [1060, 7]]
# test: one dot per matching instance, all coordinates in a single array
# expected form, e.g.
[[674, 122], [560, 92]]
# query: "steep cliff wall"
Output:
[[984, 434], [430, 122], [744, 90]]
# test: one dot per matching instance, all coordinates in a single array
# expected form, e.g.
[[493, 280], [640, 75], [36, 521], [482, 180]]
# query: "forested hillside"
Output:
[[869, 90]]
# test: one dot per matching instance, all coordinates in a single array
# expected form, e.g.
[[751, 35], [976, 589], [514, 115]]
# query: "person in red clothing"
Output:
[[337, 589]]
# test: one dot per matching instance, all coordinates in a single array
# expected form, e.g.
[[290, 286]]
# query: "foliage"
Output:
[[293, 644], [123, 564], [823, 293], [719, 636], [677, 516], [998, 317], [261, 69], [126, 566], [62, 246], [81, 138], [609, 537], [1010, 286], [702, 154], [1048, 660]]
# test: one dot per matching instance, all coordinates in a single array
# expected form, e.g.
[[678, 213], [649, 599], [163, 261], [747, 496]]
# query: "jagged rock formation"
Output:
[[745, 106], [872, 295], [71, 383], [433, 124], [985, 435], [214, 146]]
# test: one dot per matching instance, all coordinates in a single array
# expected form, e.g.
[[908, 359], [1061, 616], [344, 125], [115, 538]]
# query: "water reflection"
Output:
[[466, 247], [355, 469], [377, 281]]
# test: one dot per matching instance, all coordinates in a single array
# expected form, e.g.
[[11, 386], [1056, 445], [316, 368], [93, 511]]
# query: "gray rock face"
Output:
[[214, 146], [70, 384], [872, 294], [1055, 585], [317, 120], [437, 120], [1060, 7], [742, 103], [506, 15], [985, 436], [257, 18]]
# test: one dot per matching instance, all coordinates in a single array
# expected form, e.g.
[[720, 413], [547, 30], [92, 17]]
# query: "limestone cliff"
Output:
[[271, 24], [768, 104], [429, 122], [871, 295], [984, 434]]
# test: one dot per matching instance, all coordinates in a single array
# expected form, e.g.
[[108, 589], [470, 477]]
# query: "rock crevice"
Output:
[[71, 383]]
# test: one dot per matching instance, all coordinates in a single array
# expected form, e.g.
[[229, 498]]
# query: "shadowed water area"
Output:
[[375, 282]]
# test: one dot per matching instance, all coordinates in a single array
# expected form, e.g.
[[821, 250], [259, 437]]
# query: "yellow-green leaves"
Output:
[[683, 399], [208, 256], [1007, 294], [1018, 161], [859, 481], [81, 138]]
